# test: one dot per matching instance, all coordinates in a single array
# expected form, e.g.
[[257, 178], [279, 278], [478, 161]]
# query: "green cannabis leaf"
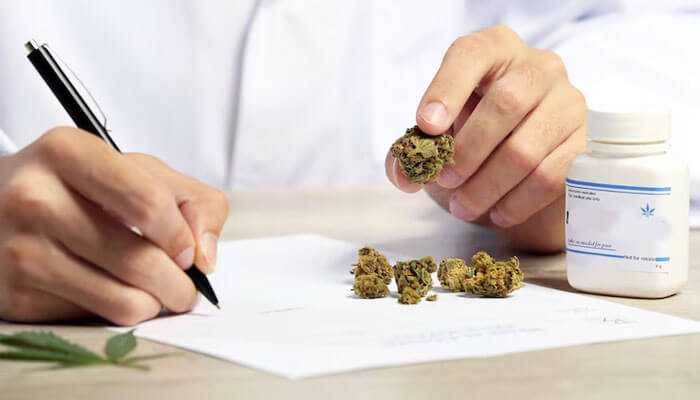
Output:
[[119, 346], [39, 346]]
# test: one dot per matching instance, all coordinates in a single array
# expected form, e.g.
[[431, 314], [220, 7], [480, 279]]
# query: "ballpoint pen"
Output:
[[86, 118]]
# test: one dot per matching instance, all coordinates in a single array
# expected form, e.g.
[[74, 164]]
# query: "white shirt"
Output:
[[253, 94]]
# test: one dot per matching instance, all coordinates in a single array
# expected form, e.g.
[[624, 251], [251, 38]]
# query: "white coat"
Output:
[[265, 93]]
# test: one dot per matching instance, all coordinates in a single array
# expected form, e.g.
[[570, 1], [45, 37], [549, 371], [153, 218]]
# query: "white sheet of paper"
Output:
[[288, 309]]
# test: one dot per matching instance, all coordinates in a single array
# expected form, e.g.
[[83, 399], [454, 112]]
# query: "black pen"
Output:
[[86, 119]]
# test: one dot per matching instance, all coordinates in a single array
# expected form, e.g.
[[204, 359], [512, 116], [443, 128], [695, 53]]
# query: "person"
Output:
[[261, 93]]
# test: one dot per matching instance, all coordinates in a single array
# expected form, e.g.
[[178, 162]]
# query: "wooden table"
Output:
[[667, 368]]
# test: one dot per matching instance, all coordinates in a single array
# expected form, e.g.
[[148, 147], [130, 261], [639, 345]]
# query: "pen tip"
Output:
[[31, 46], [217, 306]]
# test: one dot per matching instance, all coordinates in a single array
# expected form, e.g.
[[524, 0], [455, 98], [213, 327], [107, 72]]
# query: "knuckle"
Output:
[[133, 310], [185, 301], [18, 259], [149, 204], [138, 268], [126, 319], [520, 158], [22, 201], [469, 45], [477, 203], [57, 144], [17, 305], [507, 100], [14, 253], [510, 212], [553, 63], [551, 130], [549, 183], [503, 33], [528, 74]]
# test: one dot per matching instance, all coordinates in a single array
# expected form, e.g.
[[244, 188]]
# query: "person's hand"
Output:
[[67, 202], [517, 123]]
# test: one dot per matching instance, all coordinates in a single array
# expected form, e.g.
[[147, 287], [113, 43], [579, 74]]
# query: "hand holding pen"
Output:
[[67, 202]]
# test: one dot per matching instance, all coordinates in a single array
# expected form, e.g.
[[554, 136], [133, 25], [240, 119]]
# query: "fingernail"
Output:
[[498, 219], [393, 172], [434, 113], [186, 258], [209, 245], [461, 212], [449, 178]]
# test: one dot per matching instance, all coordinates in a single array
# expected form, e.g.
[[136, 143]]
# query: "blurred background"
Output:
[[259, 94]]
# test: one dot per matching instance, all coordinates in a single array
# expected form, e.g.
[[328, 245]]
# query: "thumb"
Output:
[[204, 208], [206, 216]]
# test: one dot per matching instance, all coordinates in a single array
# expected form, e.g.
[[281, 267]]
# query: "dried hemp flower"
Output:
[[370, 287], [414, 275], [409, 296], [371, 261], [452, 273], [373, 274], [491, 278], [422, 156]]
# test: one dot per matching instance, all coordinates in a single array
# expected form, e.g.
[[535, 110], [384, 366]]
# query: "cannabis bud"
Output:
[[491, 278], [432, 297], [409, 296], [414, 275], [370, 287], [372, 274], [370, 261], [422, 156], [452, 273]]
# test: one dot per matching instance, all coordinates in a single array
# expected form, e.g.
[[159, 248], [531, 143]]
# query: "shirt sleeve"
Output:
[[7, 146]]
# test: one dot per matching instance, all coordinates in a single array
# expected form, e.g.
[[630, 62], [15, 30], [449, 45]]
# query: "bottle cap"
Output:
[[629, 127]]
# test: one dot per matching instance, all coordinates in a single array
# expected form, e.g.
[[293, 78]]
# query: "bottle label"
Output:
[[621, 226]]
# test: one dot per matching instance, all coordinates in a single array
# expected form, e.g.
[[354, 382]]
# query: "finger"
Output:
[[29, 305], [439, 194], [442, 197], [48, 267], [544, 129], [205, 208], [393, 172], [88, 232], [448, 173], [506, 101], [389, 168], [468, 61], [118, 185], [542, 187], [402, 181], [466, 112]]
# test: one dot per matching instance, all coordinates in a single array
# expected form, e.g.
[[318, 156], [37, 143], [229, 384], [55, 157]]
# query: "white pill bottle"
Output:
[[627, 202]]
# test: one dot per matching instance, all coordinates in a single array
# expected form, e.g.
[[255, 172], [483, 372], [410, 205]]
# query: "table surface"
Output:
[[667, 367]]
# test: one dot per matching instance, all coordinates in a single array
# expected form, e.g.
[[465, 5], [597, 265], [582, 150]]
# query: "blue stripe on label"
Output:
[[658, 259], [621, 191], [622, 187]]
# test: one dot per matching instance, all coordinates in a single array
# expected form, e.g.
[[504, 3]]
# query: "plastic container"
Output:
[[627, 204]]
